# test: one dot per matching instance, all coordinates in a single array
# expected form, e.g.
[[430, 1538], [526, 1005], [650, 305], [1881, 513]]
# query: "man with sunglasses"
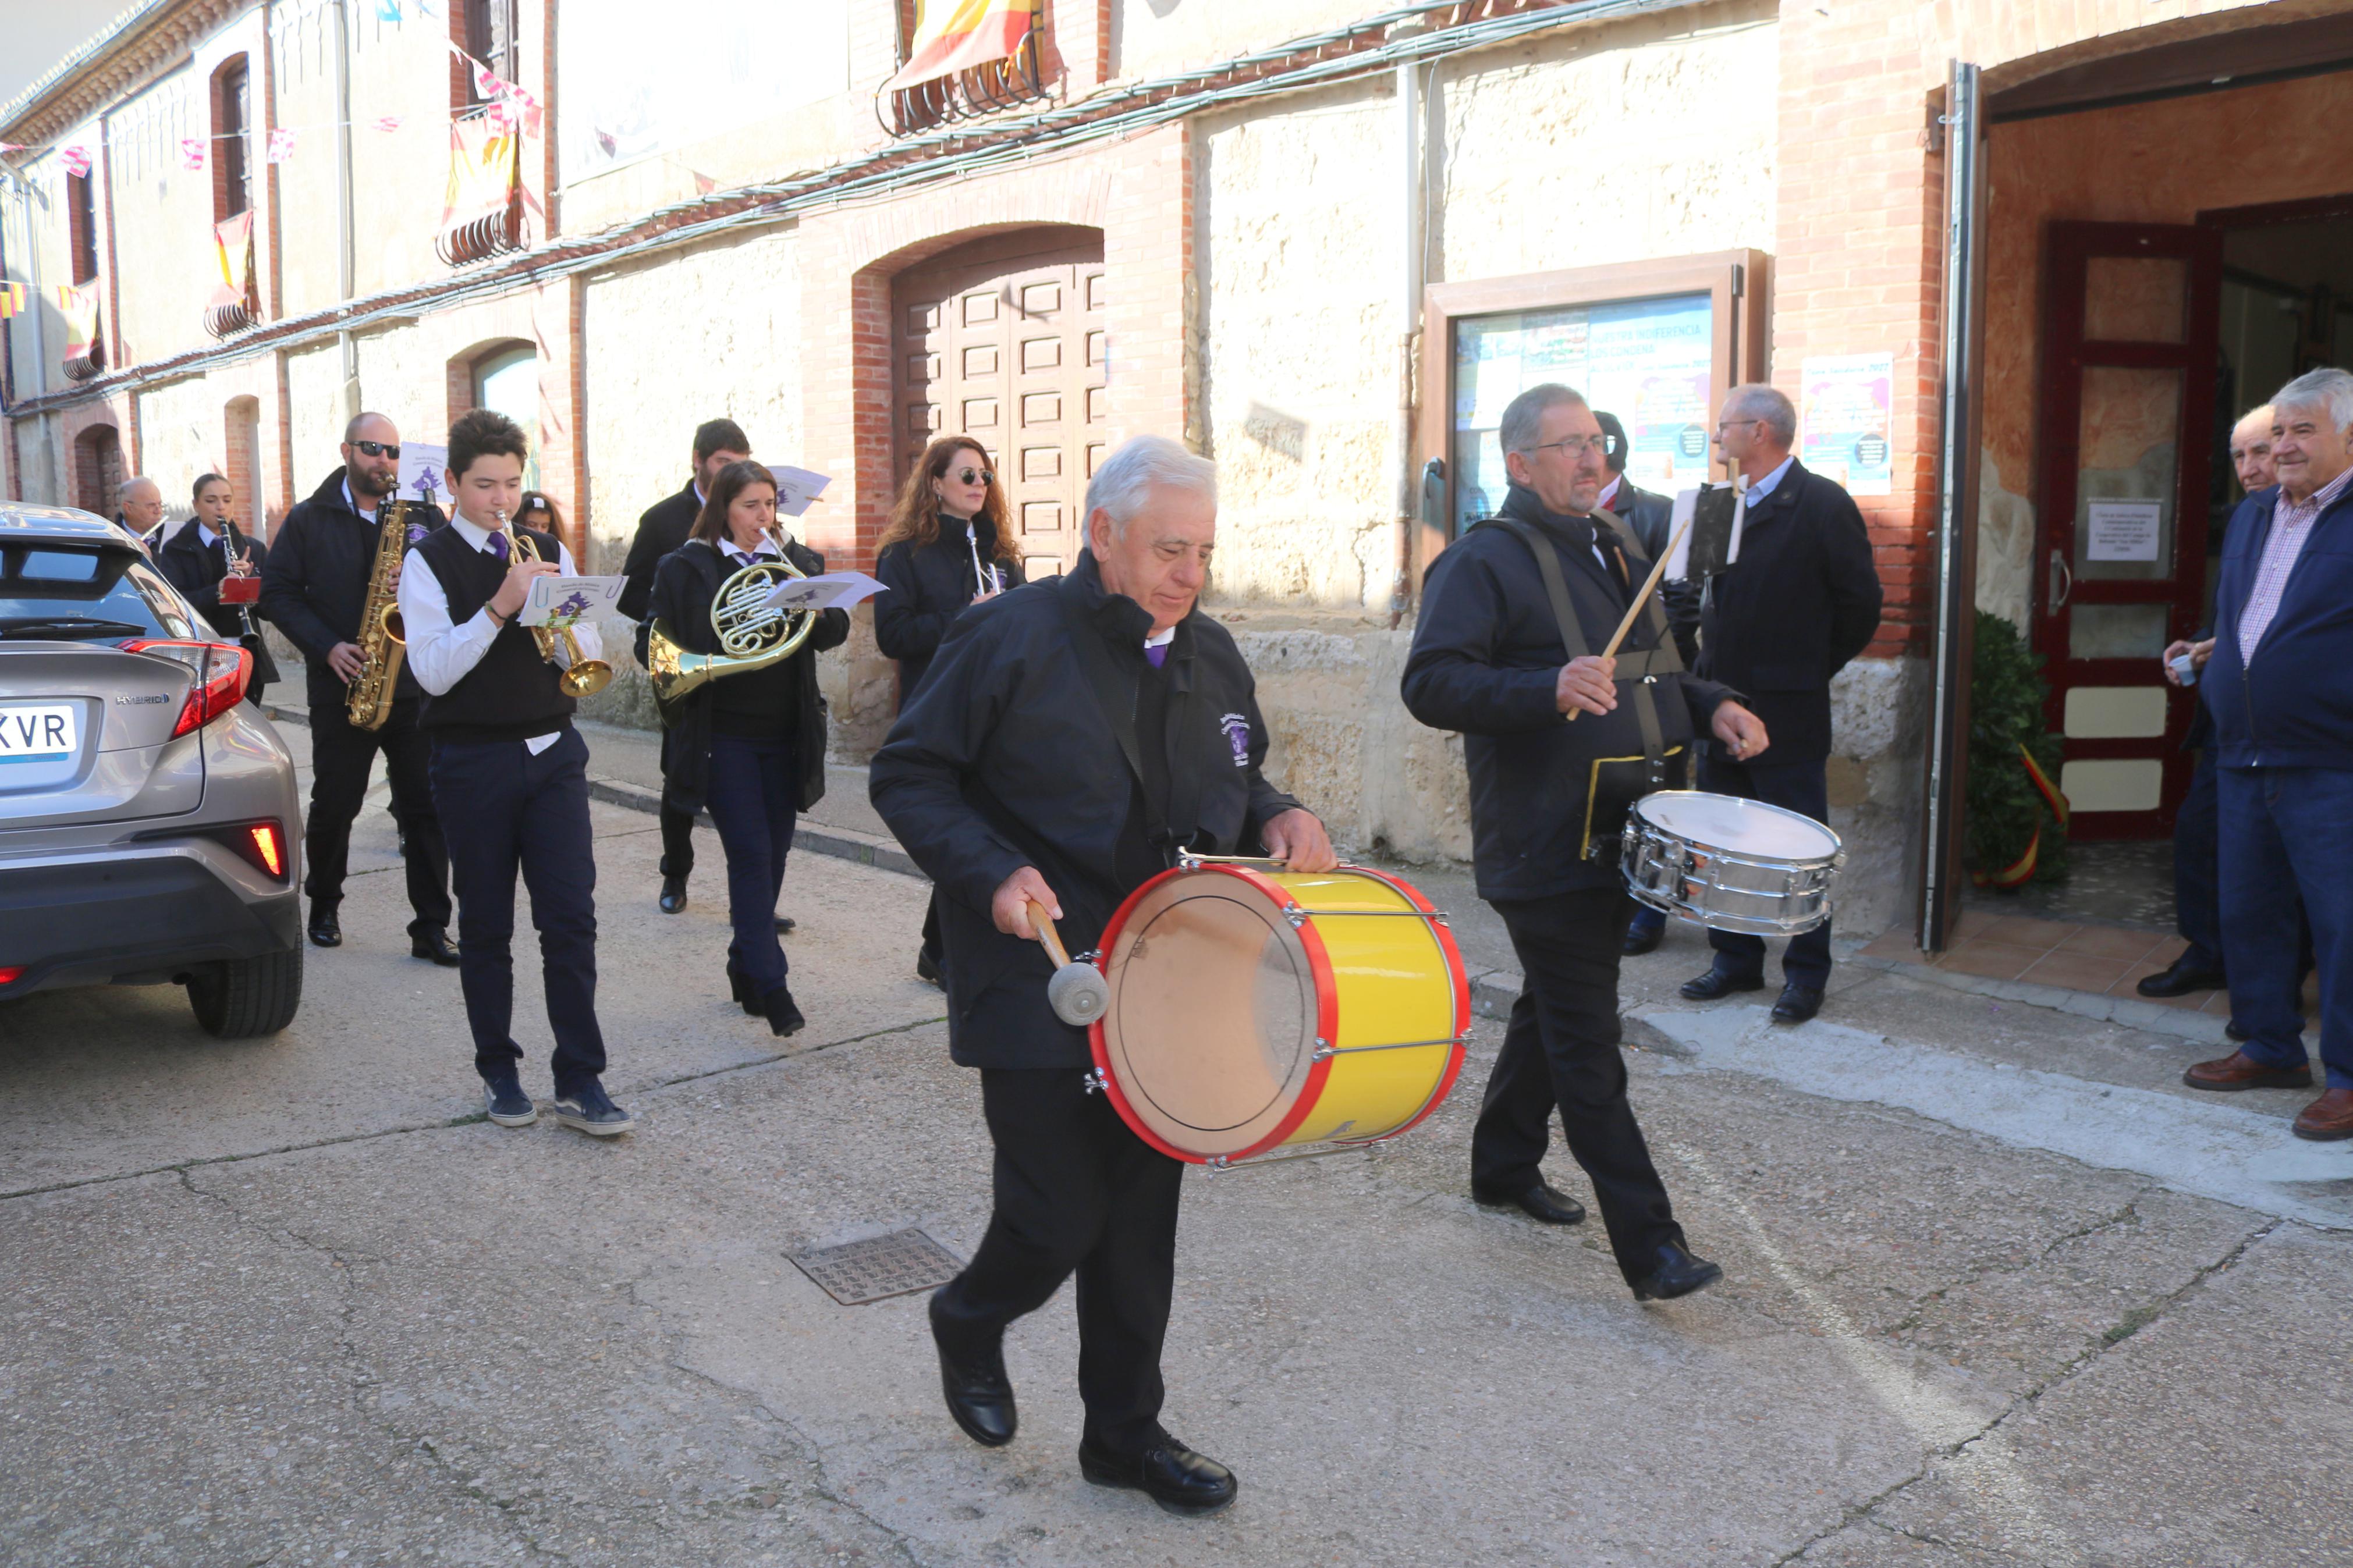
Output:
[[315, 585]]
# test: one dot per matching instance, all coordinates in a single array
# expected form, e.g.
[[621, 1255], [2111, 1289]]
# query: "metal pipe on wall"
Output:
[[347, 269], [1407, 506]]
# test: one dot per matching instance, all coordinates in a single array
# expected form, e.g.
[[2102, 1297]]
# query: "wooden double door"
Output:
[[2128, 420], [1002, 340]]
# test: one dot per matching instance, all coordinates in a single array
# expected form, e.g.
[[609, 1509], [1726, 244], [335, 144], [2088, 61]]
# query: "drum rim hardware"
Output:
[[1679, 852]]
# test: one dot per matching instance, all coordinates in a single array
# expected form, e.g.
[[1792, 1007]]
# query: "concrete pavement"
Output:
[[1998, 1291]]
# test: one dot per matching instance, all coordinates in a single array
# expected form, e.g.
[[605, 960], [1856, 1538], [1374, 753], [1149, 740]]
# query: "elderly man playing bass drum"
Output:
[[1072, 736]]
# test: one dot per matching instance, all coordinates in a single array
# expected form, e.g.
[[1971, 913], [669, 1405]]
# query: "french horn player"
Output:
[[735, 680]]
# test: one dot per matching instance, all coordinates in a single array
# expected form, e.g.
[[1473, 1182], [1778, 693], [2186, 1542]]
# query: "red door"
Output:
[[2131, 318]]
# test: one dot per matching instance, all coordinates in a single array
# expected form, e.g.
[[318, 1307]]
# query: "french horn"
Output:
[[753, 635]]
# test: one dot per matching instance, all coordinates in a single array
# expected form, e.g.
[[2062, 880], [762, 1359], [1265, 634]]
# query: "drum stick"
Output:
[[1650, 586], [1041, 925]]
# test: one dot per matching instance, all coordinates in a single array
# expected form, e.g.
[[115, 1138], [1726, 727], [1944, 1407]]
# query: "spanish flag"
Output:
[[233, 250], [953, 36], [79, 301], [13, 298]]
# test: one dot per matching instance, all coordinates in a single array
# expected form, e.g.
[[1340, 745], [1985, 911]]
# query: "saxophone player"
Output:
[[509, 773], [314, 585], [749, 744]]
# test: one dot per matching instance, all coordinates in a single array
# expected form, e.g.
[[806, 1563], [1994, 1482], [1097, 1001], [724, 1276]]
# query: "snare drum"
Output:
[[1729, 864], [1255, 1010]]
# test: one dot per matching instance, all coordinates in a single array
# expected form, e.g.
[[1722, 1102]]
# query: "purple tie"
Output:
[[499, 547], [1158, 653]]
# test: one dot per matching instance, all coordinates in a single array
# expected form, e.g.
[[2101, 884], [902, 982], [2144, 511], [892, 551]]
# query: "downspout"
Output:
[[345, 269], [1407, 506], [25, 196]]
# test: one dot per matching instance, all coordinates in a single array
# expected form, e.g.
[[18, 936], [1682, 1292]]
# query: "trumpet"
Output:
[[753, 635], [582, 676]]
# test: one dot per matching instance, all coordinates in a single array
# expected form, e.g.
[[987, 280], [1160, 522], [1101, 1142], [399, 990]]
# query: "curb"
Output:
[[2152, 1016]]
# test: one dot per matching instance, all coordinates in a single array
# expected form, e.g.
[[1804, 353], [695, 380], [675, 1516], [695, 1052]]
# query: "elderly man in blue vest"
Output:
[[2280, 687]]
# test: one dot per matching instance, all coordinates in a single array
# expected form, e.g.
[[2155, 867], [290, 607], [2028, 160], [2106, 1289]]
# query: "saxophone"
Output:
[[381, 641]]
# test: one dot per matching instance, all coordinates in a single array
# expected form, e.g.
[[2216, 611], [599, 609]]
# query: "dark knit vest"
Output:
[[512, 694]]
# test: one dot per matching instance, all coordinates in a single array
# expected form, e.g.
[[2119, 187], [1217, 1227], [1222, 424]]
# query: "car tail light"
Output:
[[222, 671], [10, 976], [266, 849]]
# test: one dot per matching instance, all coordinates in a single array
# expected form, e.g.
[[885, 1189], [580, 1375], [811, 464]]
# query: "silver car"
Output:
[[150, 829]]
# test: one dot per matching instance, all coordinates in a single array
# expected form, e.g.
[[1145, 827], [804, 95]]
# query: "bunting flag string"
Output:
[[280, 147], [76, 161], [192, 154], [14, 300]]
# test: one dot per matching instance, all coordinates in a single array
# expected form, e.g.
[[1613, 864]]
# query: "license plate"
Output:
[[42, 734]]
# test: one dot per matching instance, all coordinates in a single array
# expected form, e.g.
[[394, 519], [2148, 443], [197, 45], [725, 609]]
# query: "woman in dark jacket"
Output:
[[947, 548], [749, 746], [207, 551]]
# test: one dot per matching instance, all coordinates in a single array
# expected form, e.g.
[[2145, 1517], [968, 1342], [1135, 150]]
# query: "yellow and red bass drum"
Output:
[[1259, 1011]]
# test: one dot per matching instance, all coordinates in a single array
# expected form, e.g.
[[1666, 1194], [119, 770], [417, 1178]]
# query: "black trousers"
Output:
[[1560, 1051], [677, 841], [1801, 787], [1077, 1191], [342, 757], [508, 810]]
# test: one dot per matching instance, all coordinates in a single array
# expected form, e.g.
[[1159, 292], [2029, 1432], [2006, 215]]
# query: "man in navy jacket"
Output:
[[2280, 689]]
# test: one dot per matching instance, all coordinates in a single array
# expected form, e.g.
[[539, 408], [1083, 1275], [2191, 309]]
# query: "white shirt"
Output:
[[206, 537], [1609, 492], [764, 551], [443, 655], [351, 502]]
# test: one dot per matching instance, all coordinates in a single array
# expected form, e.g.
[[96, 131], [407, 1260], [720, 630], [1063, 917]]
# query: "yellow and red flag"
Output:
[[481, 171], [953, 36], [13, 297], [79, 303], [233, 250]]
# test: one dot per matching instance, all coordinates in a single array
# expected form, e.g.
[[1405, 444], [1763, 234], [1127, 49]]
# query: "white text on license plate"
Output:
[[40, 734]]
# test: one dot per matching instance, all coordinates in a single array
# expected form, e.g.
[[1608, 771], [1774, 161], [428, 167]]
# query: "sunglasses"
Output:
[[971, 476], [378, 448]]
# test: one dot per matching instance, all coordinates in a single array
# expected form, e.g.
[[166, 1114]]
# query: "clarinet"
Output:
[[239, 555]]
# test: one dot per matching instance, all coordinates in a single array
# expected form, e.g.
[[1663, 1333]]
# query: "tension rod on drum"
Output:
[[1322, 1050]]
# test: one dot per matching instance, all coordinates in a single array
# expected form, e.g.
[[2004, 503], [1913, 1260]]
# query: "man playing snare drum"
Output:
[[1071, 737], [1559, 743]]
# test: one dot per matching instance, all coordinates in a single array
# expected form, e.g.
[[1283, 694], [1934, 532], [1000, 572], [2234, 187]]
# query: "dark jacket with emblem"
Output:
[[1803, 600], [1486, 659], [931, 585], [684, 588], [1006, 759], [315, 582]]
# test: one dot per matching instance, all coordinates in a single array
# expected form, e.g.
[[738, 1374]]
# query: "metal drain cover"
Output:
[[880, 1267]]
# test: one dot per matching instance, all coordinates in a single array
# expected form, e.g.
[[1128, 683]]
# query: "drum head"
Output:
[[1745, 827], [1210, 1035]]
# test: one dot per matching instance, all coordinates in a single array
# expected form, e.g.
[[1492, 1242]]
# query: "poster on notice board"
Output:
[[1843, 421]]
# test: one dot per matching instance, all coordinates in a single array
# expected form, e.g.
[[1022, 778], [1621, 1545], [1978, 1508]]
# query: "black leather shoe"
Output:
[[784, 1015], [1180, 1480], [1798, 1003], [2179, 978], [1716, 984], [1640, 939], [740, 988], [434, 944], [1542, 1201], [1678, 1274], [926, 970], [326, 931], [784, 925], [673, 895], [980, 1396]]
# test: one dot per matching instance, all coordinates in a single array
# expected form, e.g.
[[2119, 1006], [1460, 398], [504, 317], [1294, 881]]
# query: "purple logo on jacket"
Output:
[[1238, 734]]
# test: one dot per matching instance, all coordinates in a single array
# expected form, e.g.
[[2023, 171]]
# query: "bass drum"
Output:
[[1253, 1011]]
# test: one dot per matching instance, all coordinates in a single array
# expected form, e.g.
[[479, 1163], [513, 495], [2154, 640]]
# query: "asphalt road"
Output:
[[1998, 1292]]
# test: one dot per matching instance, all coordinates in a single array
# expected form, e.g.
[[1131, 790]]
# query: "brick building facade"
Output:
[[1315, 239]]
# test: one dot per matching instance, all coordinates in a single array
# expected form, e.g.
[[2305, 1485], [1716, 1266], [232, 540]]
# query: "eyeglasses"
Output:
[[972, 477], [1724, 424], [378, 448], [1577, 446]]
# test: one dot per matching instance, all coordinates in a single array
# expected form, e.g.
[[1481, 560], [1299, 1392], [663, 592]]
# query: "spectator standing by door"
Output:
[[1803, 600]]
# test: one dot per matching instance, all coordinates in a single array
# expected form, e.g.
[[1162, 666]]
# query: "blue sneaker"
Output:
[[509, 1106], [587, 1108]]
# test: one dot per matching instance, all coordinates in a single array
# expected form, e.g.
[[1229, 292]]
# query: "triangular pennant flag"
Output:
[[386, 122], [192, 154], [280, 147], [76, 159]]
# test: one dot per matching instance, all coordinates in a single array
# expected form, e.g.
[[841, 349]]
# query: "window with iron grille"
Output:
[[232, 122], [493, 34], [1012, 75], [81, 225]]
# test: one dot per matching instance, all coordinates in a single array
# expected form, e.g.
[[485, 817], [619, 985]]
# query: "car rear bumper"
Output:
[[140, 915]]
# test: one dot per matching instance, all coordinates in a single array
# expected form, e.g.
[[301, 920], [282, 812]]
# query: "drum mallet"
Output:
[[1078, 992]]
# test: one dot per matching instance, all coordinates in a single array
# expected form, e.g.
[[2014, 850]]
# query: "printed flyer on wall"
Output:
[[1843, 421]]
